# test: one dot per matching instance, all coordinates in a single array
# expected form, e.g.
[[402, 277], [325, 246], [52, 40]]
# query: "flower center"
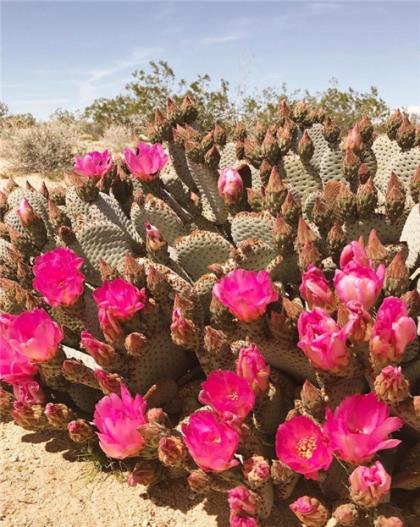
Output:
[[306, 446], [233, 396]]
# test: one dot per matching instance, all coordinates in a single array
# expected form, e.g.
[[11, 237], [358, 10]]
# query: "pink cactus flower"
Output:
[[356, 320], [354, 252], [230, 185], [146, 161], [153, 232], [251, 366], [211, 443], [323, 341], [58, 277], [243, 521], [392, 331], [359, 283], [241, 500], [245, 293], [117, 419], [359, 427], [14, 367], [110, 326], [36, 335], [309, 511], [303, 447], [369, 485], [119, 298], [93, 164], [229, 395], [315, 289], [25, 212], [28, 391]]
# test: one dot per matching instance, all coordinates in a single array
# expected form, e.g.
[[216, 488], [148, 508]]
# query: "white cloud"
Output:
[[88, 88], [221, 39]]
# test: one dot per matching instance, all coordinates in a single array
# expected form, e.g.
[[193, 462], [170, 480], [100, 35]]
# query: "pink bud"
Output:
[[251, 366], [229, 395], [354, 252], [29, 392], [246, 293], [108, 382], [110, 326], [310, 511], [391, 386], [58, 415], [146, 161], [199, 481], [57, 276], [27, 416], [243, 521], [230, 186], [302, 446], [93, 164], [36, 335], [241, 500], [257, 471], [315, 289], [369, 485], [171, 451], [323, 341], [359, 427], [117, 419], [388, 521], [356, 321], [210, 442], [145, 473], [25, 212], [153, 233], [358, 283], [80, 431], [104, 354], [183, 331], [392, 331]]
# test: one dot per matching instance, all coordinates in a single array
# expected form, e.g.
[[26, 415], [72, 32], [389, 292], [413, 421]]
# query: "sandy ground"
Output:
[[43, 484]]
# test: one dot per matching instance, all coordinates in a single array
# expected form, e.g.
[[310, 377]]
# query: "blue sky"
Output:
[[66, 53]]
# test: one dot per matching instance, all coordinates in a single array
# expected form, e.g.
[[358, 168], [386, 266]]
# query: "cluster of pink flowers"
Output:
[[357, 429], [25, 340], [246, 293], [117, 301], [145, 161]]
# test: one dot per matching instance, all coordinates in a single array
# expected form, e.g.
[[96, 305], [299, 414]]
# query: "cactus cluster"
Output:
[[268, 274]]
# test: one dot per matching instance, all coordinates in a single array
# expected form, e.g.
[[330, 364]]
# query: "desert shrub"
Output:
[[42, 148], [117, 137]]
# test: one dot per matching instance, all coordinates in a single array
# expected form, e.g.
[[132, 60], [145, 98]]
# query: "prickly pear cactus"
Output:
[[207, 275]]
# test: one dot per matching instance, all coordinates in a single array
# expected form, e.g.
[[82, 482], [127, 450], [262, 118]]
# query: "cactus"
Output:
[[158, 272]]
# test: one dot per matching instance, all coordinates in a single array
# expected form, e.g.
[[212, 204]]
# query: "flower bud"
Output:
[[397, 276], [242, 501], [108, 382], [80, 431], [391, 386], [331, 131], [306, 146], [369, 485], [394, 198], [354, 139], [351, 165], [230, 186], [188, 110], [144, 473], [310, 511], [300, 111], [219, 134], [184, 332], [26, 213], [284, 139], [346, 204], [283, 235], [154, 239], [240, 132], [212, 157], [363, 174], [256, 470], [366, 129], [28, 416], [135, 344], [58, 415], [393, 123], [412, 300], [346, 515], [171, 451], [388, 521], [308, 255], [415, 185], [320, 214], [406, 134], [104, 354], [367, 198], [275, 191], [270, 149], [199, 481], [336, 240], [291, 209], [283, 110], [375, 250], [312, 400]]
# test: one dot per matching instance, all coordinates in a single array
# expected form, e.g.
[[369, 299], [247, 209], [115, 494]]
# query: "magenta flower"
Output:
[[251, 366], [369, 485], [119, 298], [110, 326], [303, 447], [14, 367], [28, 391], [230, 185], [93, 164], [243, 521], [323, 341], [245, 293], [36, 335], [359, 427], [392, 331], [354, 252], [315, 289], [146, 161], [210, 442], [359, 283], [58, 277], [241, 500], [117, 419], [229, 395], [357, 321]]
